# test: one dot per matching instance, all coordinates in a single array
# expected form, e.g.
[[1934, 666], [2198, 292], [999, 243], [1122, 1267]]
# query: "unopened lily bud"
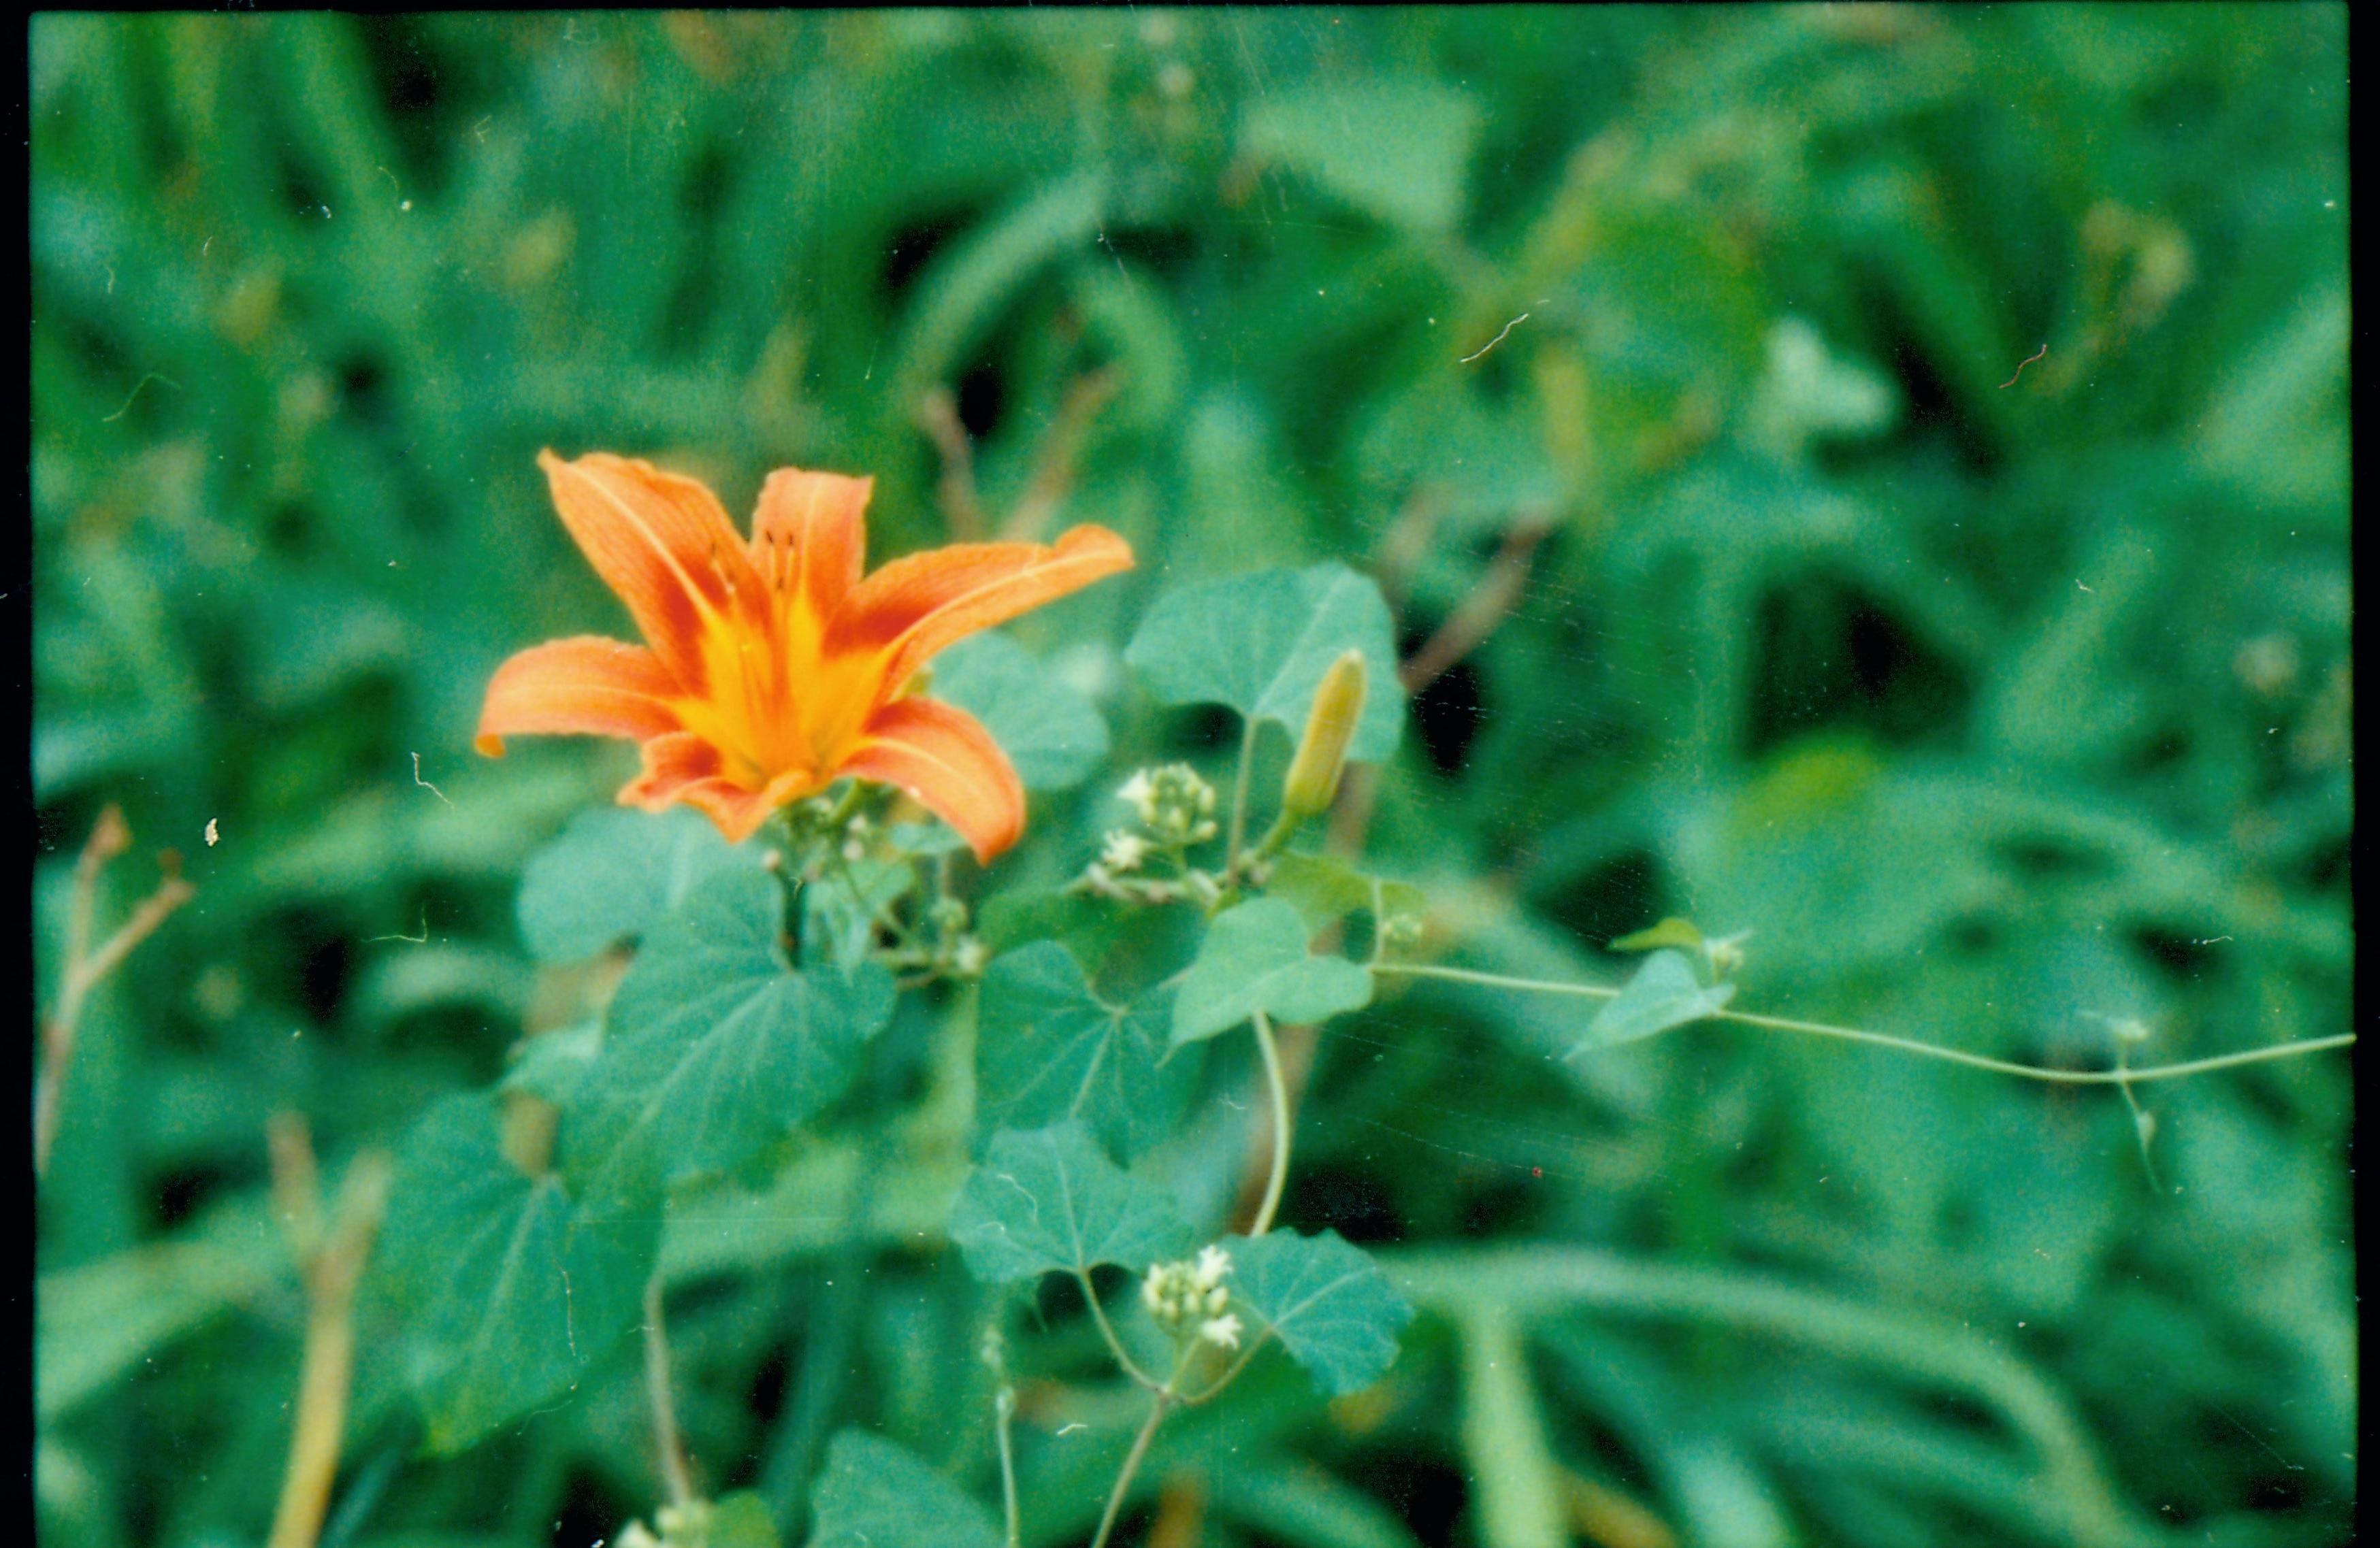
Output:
[[1313, 782]]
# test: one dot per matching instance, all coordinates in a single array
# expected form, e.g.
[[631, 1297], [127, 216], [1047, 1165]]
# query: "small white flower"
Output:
[[971, 957], [1224, 1331], [1213, 1264], [1123, 851], [1140, 794]]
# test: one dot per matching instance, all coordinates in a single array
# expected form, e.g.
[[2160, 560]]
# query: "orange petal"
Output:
[[913, 607], [809, 537], [684, 767], [665, 544], [945, 758], [585, 686]]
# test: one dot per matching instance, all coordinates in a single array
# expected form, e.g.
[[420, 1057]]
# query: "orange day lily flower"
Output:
[[772, 669]]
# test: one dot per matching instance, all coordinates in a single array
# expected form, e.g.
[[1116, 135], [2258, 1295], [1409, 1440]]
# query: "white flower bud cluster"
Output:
[[1189, 1299], [1123, 852], [1173, 804]]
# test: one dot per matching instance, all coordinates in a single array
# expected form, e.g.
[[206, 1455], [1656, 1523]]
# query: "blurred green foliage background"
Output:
[[1670, 354]]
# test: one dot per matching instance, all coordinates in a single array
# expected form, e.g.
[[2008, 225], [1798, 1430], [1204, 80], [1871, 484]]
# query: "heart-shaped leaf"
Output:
[[717, 1049], [613, 872], [507, 1288], [1663, 993], [1050, 731], [1261, 643], [1328, 1302], [1048, 1048], [876, 1495], [1255, 959], [1050, 1199]]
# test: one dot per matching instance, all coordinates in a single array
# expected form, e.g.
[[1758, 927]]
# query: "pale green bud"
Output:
[[1313, 781]]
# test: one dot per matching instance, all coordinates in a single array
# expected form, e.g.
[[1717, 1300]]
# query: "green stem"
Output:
[[1107, 1331], [1495, 980], [1240, 803], [1232, 1372], [880, 914], [1280, 1086], [1853, 1035], [1004, 1408], [674, 1475], [2034, 1072], [1157, 1409], [1284, 828], [1161, 1403]]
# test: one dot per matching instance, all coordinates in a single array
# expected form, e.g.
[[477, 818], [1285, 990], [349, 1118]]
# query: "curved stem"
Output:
[[1284, 828], [1107, 1331], [1156, 1410], [1273, 1079], [2034, 1072], [1231, 1372], [675, 1476], [1906, 1044]]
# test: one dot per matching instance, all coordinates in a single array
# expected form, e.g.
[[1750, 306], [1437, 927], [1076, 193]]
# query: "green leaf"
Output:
[[928, 839], [1517, 1486], [876, 1495], [100, 1321], [717, 1049], [1255, 959], [551, 1064], [1050, 731], [612, 872], [1328, 1302], [1325, 889], [1260, 644], [1088, 926], [507, 1288], [962, 295], [1050, 1199], [1664, 992], [1396, 148], [1048, 1048]]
